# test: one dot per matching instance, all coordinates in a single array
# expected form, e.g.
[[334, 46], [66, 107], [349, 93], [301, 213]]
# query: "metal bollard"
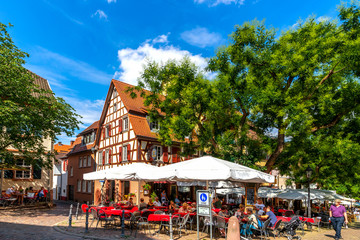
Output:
[[171, 227], [87, 220], [77, 211], [123, 223], [70, 216]]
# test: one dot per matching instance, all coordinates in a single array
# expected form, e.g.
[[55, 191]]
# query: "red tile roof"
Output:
[[62, 148], [141, 126], [94, 126], [79, 147]]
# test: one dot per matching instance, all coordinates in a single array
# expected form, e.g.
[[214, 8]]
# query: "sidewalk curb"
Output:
[[83, 236]]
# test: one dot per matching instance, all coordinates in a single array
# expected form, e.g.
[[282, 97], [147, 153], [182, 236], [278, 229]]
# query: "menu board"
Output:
[[250, 196]]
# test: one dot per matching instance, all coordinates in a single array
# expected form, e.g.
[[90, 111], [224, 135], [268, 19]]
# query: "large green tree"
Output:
[[28, 113], [298, 90]]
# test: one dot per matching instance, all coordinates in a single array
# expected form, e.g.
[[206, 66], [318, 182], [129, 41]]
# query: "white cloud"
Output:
[[111, 1], [201, 37], [159, 39], [62, 66], [132, 61], [100, 13], [213, 3]]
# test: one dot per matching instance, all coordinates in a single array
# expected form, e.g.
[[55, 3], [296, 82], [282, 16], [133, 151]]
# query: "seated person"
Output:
[[177, 201], [150, 203], [217, 203], [10, 191], [42, 193], [143, 205], [252, 220], [172, 206], [271, 215], [193, 207], [157, 203], [223, 212], [260, 207], [130, 203], [184, 208], [240, 212]]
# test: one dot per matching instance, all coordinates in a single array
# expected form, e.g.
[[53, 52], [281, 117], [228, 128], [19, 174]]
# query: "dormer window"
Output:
[[114, 95], [154, 126], [88, 138]]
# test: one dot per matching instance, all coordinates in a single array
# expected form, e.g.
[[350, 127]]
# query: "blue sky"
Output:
[[80, 45]]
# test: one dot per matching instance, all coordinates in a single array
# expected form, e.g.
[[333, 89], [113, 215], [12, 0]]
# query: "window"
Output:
[[71, 171], [154, 126], [36, 174], [114, 95], [126, 187], [125, 123], [156, 153], [8, 174], [115, 107], [23, 174], [124, 154], [89, 161], [84, 161], [107, 131], [80, 162], [89, 186], [100, 158], [79, 185], [83, 186], [107, 156]]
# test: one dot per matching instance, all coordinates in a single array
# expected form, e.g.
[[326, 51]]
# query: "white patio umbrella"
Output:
[[266, 192], [212, 184], [295, 194], [208, 168]]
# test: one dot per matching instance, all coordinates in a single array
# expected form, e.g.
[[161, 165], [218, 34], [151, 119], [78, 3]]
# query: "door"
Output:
[[71, 192]]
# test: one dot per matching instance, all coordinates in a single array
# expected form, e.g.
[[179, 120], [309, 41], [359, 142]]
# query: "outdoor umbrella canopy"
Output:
[[225, 191], [295, 194], [212, 184], [266, 192], [208, 168]]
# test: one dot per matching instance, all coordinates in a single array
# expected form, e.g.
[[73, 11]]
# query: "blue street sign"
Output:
[[203, 197]]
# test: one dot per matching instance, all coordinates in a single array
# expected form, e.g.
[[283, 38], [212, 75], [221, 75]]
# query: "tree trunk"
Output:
[[278, 150]]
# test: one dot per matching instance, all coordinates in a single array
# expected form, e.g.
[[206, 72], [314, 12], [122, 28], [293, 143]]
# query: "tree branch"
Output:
[[288, 83], [334, 121], [278, 150]]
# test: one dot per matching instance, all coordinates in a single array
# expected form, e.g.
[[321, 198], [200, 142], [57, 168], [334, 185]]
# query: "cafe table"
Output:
[[116, 212]]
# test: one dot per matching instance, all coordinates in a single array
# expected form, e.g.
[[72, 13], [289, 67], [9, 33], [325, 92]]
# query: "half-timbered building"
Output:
[[127, 135]]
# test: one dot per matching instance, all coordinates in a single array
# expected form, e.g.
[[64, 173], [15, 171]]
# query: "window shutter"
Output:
[[109, 130], [103, 133], [120, 125], [103, 158], [110, 156], [165, 154], [128, 152], [120, 154]]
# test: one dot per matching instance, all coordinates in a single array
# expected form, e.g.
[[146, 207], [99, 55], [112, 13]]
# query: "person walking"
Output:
[[337, 217]]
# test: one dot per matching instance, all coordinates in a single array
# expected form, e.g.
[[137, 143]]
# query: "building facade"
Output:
[[26, 175], [60, 173], [81, 160], [127, 135]]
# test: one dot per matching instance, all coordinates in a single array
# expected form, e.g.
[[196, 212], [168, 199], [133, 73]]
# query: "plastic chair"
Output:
[[182, 223], [83, 209], [221, 224]]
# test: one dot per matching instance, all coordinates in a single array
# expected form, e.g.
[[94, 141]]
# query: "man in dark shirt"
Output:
[[271, 215]]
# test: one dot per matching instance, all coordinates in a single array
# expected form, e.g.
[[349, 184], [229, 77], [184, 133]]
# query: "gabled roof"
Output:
[[79, 147], [141, 127], [93, 126], [62, 148], [42, 83]]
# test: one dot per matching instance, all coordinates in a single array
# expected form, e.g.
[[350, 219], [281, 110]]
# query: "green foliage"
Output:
[[292, 97], [28, 114]]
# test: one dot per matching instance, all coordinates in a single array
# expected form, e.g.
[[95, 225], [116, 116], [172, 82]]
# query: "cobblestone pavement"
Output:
[[38, 224], [33, 224]]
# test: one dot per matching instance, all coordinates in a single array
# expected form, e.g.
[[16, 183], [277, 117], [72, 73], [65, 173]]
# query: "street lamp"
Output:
[[309, 172]]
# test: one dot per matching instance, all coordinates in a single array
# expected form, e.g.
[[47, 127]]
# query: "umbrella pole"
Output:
[[207, 185], [138, 195]]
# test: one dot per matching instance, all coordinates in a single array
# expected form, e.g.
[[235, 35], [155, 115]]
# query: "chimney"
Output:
[[71, 142], [60, 143]]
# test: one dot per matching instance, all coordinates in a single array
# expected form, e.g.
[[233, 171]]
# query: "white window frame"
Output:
[[125, 124], [89, 161], [124, 153], [79, 185], [159, 153], [83, 187], [115, 107], [107, 131], [154, 126], [106, 156], [100, 158], [25, 174], [89, 186]]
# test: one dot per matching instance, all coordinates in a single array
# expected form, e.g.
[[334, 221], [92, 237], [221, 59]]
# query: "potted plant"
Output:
[[132, 194], [153, 196], [146, 188]]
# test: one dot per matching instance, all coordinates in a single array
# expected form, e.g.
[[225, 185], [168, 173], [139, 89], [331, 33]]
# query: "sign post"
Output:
[[203, 206]]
